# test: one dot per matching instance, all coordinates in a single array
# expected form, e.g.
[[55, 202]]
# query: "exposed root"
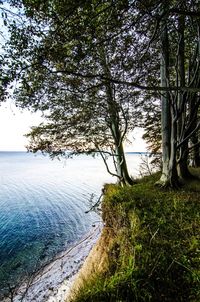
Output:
[[169, 184]]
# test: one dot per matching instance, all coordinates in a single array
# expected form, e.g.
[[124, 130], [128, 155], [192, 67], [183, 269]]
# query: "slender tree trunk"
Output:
[[165, 106], [183, 152], [169, 173], [195, 139], [114, 124], [122, 169], [172, 176]]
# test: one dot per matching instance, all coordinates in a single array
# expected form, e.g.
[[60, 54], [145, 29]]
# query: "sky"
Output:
[[15, 123]]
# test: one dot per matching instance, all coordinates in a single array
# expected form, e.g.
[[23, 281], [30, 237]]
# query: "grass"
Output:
[[154, 254]]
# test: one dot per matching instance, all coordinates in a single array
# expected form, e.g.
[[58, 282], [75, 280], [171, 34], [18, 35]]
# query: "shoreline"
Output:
[[53, 282]]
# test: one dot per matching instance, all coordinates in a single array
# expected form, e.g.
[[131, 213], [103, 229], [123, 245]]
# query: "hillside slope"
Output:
[[149, 249]]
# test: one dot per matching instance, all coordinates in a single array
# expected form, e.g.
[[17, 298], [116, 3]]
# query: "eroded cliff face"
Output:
[[96, 262]]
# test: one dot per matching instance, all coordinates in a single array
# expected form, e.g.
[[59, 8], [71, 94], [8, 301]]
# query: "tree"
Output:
[[178, 123], [104, 53], [86, 114]]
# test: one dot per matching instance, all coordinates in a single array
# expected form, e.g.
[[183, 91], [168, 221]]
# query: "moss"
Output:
[[155, 253]]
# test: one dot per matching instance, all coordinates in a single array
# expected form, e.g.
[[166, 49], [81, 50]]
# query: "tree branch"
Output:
[[127, 83], [107, 168], [185, 12], [189, 135]]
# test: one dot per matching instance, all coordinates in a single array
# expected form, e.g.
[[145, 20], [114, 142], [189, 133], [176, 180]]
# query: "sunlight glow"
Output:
[[15, 123]]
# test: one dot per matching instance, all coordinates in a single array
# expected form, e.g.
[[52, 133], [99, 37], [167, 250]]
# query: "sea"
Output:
[[44, 208]]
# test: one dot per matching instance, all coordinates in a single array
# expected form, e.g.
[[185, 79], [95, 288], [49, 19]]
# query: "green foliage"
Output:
[[63, 58], [155, 252], [90, 66]]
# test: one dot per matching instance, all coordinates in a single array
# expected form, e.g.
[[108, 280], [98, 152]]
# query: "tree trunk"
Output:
[[121, 165], [122, 169], [114, 124], [195, 161], [183, 152], [169, 175], [183, 171], [170, 178], [165, 106]]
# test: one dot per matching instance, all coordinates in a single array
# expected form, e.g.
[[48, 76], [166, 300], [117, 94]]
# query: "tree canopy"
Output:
[[97, 69]]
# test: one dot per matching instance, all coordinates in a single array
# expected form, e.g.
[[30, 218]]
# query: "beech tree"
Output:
[[176, 34], [177, 121], [103, 55], [177, 30], [84, 113]]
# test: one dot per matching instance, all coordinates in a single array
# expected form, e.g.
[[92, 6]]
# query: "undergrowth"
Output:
[[155, 251]]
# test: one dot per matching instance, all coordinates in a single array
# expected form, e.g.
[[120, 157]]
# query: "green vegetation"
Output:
[[154, 252]]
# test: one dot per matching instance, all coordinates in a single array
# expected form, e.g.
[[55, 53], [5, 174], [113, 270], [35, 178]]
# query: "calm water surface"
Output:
[[42, 207]]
